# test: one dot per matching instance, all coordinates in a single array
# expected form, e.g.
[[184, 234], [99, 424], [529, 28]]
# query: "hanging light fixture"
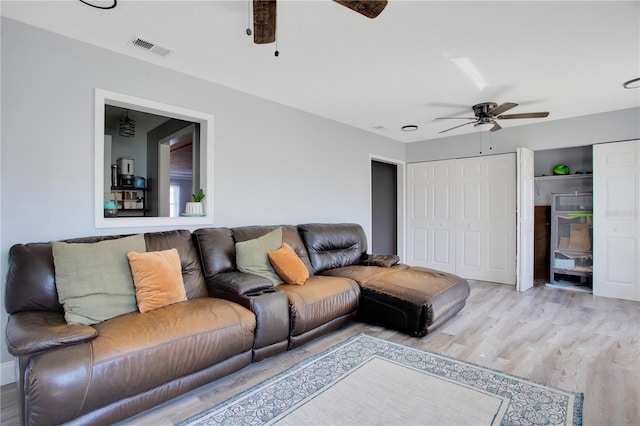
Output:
[[127, 127]]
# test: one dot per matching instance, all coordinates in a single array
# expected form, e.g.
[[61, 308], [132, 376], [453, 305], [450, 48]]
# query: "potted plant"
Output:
[[195, 208]]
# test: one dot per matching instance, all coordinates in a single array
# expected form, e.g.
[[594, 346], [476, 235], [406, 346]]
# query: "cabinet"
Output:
[[129, 200], [542, 243], [571, 240]]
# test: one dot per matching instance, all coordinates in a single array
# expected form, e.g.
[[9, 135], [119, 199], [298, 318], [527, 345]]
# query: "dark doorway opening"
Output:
[[384, 207]]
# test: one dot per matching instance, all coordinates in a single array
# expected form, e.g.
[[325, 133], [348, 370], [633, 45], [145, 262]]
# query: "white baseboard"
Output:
[[7, 374]]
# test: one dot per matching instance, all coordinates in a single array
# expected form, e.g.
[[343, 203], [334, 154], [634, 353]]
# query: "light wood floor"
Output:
[[571, 340]]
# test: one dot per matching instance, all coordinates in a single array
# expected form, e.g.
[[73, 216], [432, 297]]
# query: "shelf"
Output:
[[573, 252], [127, 188], [565, 285], [578, 272], [564, 177]]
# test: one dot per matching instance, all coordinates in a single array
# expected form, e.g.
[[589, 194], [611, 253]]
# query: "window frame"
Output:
[[104, 97]]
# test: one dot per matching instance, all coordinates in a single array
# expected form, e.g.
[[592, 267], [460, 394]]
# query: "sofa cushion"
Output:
[[217, 250], [157, 277], [333, 245], [290, 235], [137, 353], [252, 256], [319, 301], [384, 260], [288, 265], [182, 240], [94, 280]]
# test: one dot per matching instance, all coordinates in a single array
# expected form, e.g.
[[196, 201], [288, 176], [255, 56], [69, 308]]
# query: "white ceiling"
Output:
[[566, 57]]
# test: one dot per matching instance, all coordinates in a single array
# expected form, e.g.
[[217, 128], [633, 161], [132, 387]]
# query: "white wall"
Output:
[[570, 132], [273, 164]]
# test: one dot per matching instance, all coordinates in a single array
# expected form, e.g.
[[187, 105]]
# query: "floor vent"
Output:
[[151, 47]]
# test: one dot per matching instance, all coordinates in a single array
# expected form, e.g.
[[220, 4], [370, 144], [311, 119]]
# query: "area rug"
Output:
[[369, 381]]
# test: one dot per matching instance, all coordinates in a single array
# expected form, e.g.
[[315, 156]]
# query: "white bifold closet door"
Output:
[[431, 211], [616, 220], [461, 217]]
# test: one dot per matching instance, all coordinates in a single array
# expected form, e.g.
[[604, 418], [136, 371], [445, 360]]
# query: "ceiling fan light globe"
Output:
[[481, 127]]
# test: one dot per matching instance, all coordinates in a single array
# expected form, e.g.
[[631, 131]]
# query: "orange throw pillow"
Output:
[[288, 265], [157, 278]]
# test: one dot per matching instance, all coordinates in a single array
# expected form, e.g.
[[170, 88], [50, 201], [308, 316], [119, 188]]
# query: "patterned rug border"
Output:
[[578, 396]]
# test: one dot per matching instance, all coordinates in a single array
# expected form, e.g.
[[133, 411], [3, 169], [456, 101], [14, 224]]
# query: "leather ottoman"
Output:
[[411, 299]]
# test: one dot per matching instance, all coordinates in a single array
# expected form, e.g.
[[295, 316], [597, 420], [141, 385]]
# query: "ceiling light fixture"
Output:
[[409, 128], [127, 127], [632, 84], [484, 125]]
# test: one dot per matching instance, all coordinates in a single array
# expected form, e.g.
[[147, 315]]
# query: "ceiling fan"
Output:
[[264, 16], [487, 113]]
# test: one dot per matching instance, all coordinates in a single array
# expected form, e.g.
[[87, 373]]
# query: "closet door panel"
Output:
[[616, 220], [486, 245], [431, 224], [500, 220]]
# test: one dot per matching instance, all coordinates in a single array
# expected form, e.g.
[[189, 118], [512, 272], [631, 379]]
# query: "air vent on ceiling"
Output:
[[151, 47]]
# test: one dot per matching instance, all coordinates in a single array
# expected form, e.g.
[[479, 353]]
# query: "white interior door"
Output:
[[431, 220], [525, 219], [486, 220], [616, 217]]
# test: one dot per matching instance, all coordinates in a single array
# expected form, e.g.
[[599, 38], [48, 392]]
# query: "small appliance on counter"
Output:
[[139, 182], [125, 180], [125, 171], [114, 175]]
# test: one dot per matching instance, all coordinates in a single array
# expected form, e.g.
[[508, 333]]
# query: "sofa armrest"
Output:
[[384, 260], [36, 331], [237, 282]]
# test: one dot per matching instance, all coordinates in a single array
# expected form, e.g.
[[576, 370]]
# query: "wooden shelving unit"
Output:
[[129, 200]]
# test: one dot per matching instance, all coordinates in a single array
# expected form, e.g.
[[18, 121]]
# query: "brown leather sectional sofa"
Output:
[[120, 367]]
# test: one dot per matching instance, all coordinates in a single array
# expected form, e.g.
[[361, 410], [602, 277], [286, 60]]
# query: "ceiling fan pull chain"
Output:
[[248, 30], [277, 52]]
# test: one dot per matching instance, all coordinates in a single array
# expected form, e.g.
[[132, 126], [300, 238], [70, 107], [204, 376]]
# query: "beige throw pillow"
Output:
[[252, 256], [94, 280]]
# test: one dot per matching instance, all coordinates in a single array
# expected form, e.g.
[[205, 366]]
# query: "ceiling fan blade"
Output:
[[456, 118], [524, 115], [502, 108], [368, 8], [495, 127], [465, 124], [264, 21]]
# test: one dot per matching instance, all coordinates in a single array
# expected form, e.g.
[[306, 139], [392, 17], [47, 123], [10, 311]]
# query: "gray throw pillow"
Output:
[[252, 256], [94, 280]]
